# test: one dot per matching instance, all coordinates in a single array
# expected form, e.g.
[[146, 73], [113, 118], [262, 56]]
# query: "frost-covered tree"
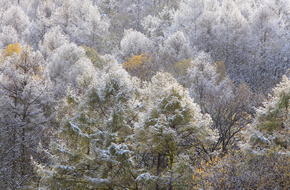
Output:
[[204, 36], [106, 6], [213, 27], [115, 11], [130, 13], [231, 33], [92, 151], [31, 7], [157, 25], [16, 18], [135, 43], [8, 36], [206, 79], [185, 18], [25, 100], [169, 131], [52, 40], [137, 10], [269, 51], [41, 22], [281, 10], [151, 24], [96, 58], [271, 126], [67, 63], [247, 7], [214, 92], [176, 47], [252, 36], [81, 20], [199, 21]]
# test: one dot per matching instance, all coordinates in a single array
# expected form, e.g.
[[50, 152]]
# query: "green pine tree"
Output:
[[91, 150], [171, 130]]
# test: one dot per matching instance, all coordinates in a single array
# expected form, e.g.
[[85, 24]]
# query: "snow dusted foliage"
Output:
[[281, 10], [106, 5], [185, 18], [271, 126], [4, 5], [25, 99], [92, 28], [52, 40], [32, 7], [176, 47], [171, 126], [91, 151], [67, 63], [271, 58], [205, 28], [41, 23], [205, 81], [156, 26], [233, 34], [137, 10], [135, 43], [246, 7], [16, 18], [151, 24], [265, 44], [250, 37], [8, 36], [82, 21]]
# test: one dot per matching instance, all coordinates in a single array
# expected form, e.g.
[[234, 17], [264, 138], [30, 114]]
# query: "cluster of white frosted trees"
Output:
[[249, 36], [75, 118], [109, 132], [113, 131], [115, 135]]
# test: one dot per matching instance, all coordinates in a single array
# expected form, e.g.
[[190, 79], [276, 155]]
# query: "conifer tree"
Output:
[[171, 129], [81, 20], [271, 126], [91, 151], [66, 63], [52, 40], [16, 18], [25, 103]]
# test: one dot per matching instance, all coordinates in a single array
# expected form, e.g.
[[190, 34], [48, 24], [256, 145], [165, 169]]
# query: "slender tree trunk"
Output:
[[158, 170], [13, 176], [171, 173], [23, 164], [14, 162]]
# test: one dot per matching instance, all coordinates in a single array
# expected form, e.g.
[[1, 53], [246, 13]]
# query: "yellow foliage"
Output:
[[201, 173], [179, 70], [12, 48], [23, 61], [140, 66], [36, 77], [267, 170]]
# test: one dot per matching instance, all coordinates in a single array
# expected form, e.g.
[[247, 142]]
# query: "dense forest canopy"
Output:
[[144, 94]]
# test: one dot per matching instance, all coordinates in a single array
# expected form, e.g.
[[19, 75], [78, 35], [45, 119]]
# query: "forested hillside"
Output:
[[144, 94]]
